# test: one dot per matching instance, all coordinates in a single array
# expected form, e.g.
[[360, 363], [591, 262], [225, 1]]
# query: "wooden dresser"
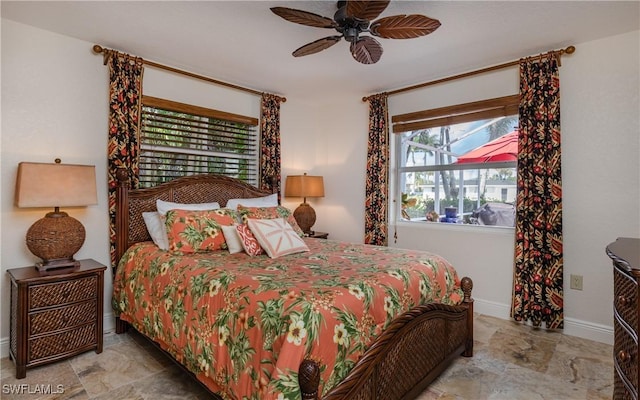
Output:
[[55, 314], [625, 253]]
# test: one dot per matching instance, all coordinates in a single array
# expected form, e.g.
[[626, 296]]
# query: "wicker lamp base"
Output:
[[55, 239], [305, 216]]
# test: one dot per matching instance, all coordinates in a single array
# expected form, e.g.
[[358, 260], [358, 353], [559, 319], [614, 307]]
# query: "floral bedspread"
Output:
[[243, 324]]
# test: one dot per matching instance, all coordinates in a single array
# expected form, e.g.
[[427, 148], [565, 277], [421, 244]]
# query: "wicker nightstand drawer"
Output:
[[42, 347], [624, 300], [55, 314], [61, 318], [625, 254], [63, 292], [625, 350]]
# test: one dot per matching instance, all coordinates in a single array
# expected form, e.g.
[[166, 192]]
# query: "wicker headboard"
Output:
[[130, 204]]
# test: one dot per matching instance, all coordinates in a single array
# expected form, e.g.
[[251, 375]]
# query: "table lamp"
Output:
[[304, 186], [56, 237]]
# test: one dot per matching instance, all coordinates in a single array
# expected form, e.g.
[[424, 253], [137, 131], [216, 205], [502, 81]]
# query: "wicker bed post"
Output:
[[309, 379], [467, 286]]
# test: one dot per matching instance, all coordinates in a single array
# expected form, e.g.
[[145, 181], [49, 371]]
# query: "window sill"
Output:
[[466, 228]]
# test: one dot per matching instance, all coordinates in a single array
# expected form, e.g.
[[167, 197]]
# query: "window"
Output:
[[178, 139], [458, 164]]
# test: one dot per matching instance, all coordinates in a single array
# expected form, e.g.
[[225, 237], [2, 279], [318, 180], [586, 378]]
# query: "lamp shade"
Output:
[[55, 185], [56, 237], [304, 186]]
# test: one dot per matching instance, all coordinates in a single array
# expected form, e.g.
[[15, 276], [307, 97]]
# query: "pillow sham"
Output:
[[248, 240], [269, 213], [276, 237], [193, 231], [232, 238], [164, 206], [156, 229], [266, 201]]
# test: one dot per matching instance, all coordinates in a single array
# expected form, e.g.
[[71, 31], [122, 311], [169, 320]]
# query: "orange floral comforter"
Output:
[[243, 324]]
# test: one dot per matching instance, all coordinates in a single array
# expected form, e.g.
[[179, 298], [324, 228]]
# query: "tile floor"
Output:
[[510, 362]]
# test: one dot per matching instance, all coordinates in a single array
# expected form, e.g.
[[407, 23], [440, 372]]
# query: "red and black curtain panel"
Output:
[[270, 173], [125, 100], [538, 275], [377, 177]]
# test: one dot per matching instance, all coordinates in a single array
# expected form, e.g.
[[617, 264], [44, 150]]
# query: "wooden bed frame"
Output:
[[410, 354]]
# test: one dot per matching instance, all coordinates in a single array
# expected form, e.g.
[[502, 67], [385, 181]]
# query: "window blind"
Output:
[[178, 139]]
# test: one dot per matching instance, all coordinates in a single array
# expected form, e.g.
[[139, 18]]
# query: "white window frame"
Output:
[[427, 118]]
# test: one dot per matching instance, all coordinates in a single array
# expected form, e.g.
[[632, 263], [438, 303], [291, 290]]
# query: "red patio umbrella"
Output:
[[504, 148]]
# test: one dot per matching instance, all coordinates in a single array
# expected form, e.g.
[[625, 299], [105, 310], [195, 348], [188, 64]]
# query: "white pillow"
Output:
[[266, 201], [276, 237], [232, 238], [164, 206], [156, 229]]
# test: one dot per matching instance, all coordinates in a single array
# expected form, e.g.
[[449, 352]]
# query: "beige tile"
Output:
[[511, 361], [114, 367], [171, 383], [526, 350], [52, 381]]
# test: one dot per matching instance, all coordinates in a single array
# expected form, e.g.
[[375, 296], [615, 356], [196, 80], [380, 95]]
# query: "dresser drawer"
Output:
[[625, 352], [69, 291], [63, 317], [41, 347], [625, 297]]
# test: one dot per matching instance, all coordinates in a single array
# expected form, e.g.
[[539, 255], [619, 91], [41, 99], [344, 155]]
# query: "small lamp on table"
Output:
[[304, 186], [56, 237]]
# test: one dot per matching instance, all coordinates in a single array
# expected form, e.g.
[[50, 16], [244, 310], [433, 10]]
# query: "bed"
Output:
[[400, 354]]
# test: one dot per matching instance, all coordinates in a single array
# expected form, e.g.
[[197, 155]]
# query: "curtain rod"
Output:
[[106, 52], [568, 50]]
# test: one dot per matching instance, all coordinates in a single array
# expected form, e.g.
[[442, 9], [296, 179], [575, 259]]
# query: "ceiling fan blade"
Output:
[[316, 46], [404, 26], [366, 50], [366, 10], [304, 17]]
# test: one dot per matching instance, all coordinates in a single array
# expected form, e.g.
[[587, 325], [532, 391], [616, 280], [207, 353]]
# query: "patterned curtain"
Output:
[[377, 180], [270, 143], [125, 100], [537, 291]]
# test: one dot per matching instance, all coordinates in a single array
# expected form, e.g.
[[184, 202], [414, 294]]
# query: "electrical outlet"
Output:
[[576, 282]]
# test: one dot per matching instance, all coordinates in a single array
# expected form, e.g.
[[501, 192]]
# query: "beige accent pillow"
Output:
[[276, 237]]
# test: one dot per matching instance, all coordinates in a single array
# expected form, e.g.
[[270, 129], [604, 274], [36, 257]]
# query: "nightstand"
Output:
[[318, 235], [55, 314]]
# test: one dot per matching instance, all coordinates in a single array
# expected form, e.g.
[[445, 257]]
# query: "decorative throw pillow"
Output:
[[266, 201], [232, 238], [156, 229], [276, 237], [191, 231], [249, 242], [164, 206], [269, 213]]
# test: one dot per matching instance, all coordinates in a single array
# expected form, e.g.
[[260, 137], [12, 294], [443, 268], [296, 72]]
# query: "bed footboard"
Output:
[[410, 354]]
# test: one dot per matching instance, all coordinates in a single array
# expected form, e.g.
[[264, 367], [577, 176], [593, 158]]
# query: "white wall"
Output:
[[601, 182], [54, 104]]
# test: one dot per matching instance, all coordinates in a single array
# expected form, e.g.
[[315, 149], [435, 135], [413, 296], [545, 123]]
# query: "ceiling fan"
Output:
[[351, 20]]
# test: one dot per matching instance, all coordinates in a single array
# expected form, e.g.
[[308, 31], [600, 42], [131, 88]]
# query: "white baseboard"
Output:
[[572, 326]]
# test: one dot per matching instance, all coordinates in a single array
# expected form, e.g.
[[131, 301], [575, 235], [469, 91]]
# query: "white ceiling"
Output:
[[242, 42]]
